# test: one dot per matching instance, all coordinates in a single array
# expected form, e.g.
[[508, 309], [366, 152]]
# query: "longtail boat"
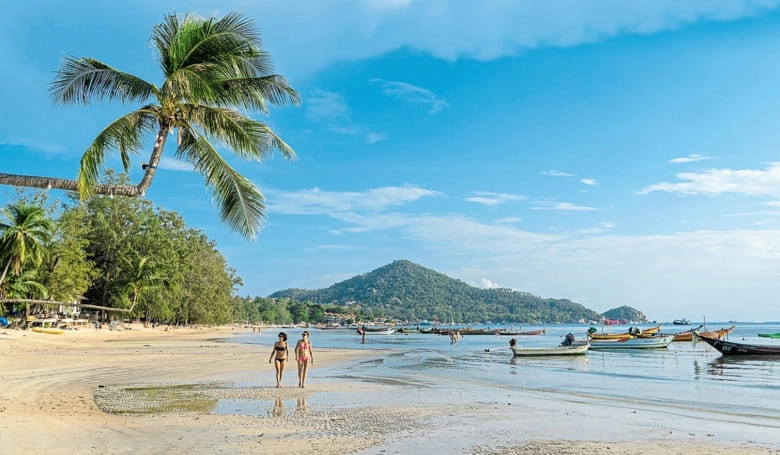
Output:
[[650, 342], [732, 348], [688, 334], [620, 336], [578, 347], [769, 335]]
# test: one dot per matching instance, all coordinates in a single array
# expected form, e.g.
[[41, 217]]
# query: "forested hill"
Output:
[[408, 291]]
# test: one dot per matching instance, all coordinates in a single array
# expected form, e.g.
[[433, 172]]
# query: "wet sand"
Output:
[[92, 391]]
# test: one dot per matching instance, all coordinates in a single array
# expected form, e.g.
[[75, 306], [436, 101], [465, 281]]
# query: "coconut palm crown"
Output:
[[215, 73]]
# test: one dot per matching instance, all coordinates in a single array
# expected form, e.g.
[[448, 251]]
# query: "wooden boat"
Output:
[[688, 334], [649, 342], [578, 347], [463, 331], [620, 336], [769, 335], [732, 348], [527, 332]]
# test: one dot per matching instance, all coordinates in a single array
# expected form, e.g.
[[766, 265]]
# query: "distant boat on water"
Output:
[[682, 321]]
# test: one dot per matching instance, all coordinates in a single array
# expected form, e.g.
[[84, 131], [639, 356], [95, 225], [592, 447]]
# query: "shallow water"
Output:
[[681, 380]]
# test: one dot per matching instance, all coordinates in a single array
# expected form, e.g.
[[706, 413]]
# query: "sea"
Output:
[[738, 398]]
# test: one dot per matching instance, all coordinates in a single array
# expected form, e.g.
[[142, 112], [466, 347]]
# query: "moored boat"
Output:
[[376, 330], [769, 335], [577, 347], [648, 342], [533, 332], [632, 333], [682, 321], [688, 334], [732, 348]]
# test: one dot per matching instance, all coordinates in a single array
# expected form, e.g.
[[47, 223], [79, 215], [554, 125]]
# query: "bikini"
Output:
[[282, 349], [302, 347]]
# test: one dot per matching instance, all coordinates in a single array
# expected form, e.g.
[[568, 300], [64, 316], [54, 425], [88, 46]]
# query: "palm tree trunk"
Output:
[[5, 271], [50, 183]]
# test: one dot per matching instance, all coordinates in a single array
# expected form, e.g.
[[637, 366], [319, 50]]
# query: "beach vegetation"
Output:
[[215, 73]]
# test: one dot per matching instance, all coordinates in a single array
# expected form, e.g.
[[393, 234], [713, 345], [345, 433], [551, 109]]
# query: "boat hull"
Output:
[[731, 348], [620, 336], [652, 342], [688, 335], [769, 335], [376, 331], [50, 331], [574, 349]]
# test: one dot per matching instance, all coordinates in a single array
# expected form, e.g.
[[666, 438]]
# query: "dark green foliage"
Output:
[[407, 291], [627, 313]]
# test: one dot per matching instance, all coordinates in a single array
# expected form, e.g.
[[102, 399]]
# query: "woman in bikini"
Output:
[[303, 354], [280, 354]]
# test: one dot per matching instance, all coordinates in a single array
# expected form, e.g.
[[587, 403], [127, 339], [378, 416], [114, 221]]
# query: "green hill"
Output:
[[407, 291], [625, 312]]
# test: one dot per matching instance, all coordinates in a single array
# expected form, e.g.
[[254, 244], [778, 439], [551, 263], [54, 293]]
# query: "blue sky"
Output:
[[609, 152]]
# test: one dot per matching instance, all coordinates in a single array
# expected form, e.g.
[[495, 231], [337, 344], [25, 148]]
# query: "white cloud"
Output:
[[172, 164], [412, 94], [748, 182], [451, 30], [561, 206], [318, 202], [373, 138], [325, 105], [492, 199], [554, 173], [487, 284], [689, 159], [589, 182]]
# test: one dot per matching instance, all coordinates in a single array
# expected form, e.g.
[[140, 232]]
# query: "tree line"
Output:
[[130, 259]]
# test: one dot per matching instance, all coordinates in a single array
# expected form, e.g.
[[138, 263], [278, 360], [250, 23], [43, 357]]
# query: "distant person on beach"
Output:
[[279, 357], [304, 355]]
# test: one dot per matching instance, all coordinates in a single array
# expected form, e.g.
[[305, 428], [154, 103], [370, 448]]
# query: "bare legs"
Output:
[[279, 370], [303, 369]]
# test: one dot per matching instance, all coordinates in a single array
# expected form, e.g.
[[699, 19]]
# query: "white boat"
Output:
[[578, 347], [372, 330], [650, 342]]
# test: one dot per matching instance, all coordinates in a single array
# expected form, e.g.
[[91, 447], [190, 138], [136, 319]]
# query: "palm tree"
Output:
[[212, 68], [22, 237]]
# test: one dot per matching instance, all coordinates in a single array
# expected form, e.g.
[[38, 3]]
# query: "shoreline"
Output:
[[52, 385]]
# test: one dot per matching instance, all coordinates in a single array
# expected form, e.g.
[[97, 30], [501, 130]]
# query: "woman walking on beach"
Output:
[[303, 354], [280, 354]]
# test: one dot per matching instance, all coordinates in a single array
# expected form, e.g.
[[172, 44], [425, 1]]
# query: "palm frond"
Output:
[[249, 139], [253, 93], [124, 135], [79, 80], [240, 203]]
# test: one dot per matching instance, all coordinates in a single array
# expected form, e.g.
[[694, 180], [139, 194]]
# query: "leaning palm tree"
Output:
[[215, 73]]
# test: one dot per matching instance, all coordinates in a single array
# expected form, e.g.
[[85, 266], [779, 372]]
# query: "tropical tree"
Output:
[[213, 68], [22, 237]]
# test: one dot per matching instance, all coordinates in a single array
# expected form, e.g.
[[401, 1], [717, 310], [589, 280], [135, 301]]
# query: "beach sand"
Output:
[[141, 391]]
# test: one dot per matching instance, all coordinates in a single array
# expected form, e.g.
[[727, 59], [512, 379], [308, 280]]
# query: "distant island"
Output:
[[406, 291]]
